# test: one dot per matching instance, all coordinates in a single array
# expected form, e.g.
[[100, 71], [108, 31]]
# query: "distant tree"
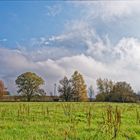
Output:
[[123, 92], [55, 89], [65, 89], [51, 94], [28, 84], [2, 89], [115, 92], [101, 97], [91, 93], [105, 88], [138, 95], [100, 86], [79, 87]]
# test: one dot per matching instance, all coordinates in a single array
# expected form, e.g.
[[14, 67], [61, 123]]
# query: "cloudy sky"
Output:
[[53, 39]]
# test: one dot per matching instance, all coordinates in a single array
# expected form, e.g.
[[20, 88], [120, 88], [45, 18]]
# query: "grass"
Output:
[[69, 121]]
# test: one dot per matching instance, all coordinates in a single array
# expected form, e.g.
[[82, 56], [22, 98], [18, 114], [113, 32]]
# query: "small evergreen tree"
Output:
[[91, 92]]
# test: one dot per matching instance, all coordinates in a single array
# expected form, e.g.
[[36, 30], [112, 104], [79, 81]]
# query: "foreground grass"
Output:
[[69, 121]]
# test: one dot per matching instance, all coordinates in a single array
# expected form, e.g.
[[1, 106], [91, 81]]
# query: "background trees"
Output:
[[114, 92], [28, 84], [123, 92], [73, 89], [105, 85], [105, 88]]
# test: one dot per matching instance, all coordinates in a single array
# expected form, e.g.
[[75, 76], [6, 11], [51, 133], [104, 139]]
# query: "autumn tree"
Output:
[[2, 89], [123, 92], [65, 89], [79, 87], [91, 92], [29, 85]]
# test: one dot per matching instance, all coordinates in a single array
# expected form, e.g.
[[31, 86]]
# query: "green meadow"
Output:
[[69, 121]]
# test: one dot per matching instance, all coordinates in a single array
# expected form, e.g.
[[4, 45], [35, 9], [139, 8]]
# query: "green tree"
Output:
[[105, 88], [65, 89], [115, 92], [101, 97], [79, 87], [28, 84]]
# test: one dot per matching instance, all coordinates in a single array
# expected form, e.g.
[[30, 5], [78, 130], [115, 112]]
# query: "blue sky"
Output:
[[21, 21], [55, 38], [25, 20]]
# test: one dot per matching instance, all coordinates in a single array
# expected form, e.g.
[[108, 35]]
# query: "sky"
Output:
[[100, 39]]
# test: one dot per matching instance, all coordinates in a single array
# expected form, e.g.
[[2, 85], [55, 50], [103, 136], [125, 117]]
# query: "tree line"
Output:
[[110, 91], [74, 89]]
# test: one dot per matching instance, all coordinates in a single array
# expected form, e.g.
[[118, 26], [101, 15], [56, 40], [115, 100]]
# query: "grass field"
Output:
[[69, 121]]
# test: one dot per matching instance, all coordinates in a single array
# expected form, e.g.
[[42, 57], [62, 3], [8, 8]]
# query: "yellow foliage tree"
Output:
[[79, 87], [2, 89]]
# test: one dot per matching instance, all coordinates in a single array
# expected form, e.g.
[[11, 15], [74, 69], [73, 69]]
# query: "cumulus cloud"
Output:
[[124, 66], [14, 63]]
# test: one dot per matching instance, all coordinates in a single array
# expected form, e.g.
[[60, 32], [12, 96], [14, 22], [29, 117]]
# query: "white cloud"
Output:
[[108, 10], [78, 48], [125, 66], [13, 63]]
